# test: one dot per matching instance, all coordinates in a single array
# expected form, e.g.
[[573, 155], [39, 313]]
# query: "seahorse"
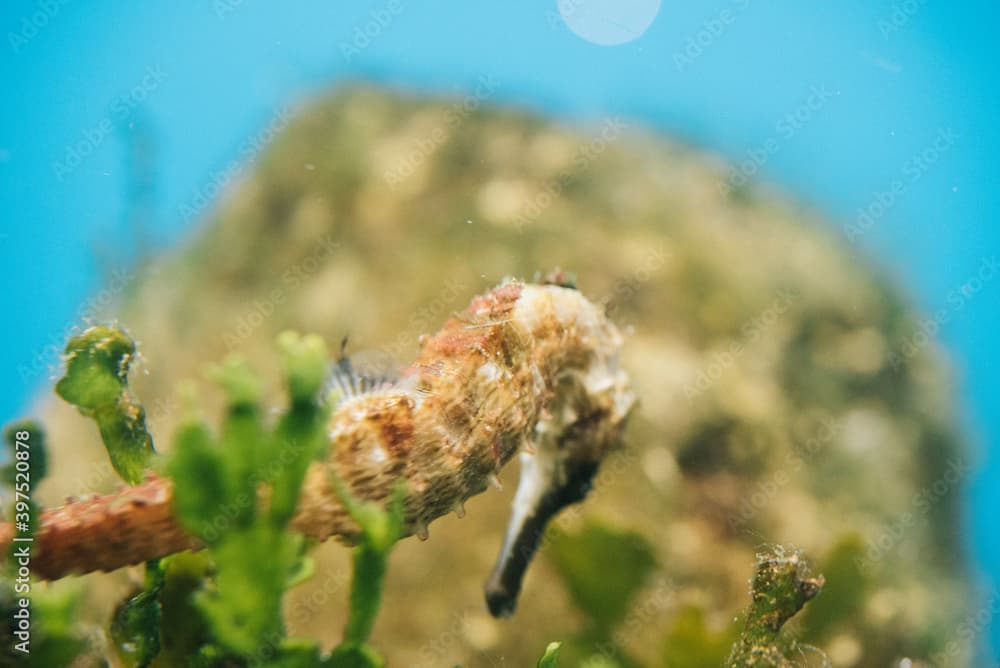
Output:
[[529, 368]]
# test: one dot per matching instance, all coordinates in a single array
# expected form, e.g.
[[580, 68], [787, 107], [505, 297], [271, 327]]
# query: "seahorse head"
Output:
[[580, 423]]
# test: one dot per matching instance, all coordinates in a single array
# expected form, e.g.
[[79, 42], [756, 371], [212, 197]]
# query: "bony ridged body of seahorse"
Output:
[[526, 367]]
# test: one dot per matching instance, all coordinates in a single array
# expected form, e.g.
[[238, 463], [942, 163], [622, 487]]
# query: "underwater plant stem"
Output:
[[781, 586], [366, 593], [380, 529]]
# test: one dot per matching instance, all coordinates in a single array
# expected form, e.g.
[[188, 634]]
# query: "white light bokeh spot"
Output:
[[608, 22]]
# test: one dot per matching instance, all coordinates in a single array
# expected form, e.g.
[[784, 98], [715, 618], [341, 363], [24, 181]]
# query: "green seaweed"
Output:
[[602, 567], [690, 643], [216, 494], [184, 633], [551, 657], [380, 529], [781, 585], [96, 382], [844, 594], [300, 431], [135, 627]]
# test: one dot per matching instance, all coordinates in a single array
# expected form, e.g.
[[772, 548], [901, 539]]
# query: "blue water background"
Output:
[[205, 78]]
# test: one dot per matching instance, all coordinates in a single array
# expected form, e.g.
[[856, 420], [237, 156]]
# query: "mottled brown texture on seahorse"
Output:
[[450, 417], [476, 394]]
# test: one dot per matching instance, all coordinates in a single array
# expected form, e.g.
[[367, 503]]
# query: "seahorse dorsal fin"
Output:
[[348, 381]]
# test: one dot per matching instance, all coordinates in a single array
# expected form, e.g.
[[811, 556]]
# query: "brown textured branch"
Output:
[[480, 389], [106, 532]]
